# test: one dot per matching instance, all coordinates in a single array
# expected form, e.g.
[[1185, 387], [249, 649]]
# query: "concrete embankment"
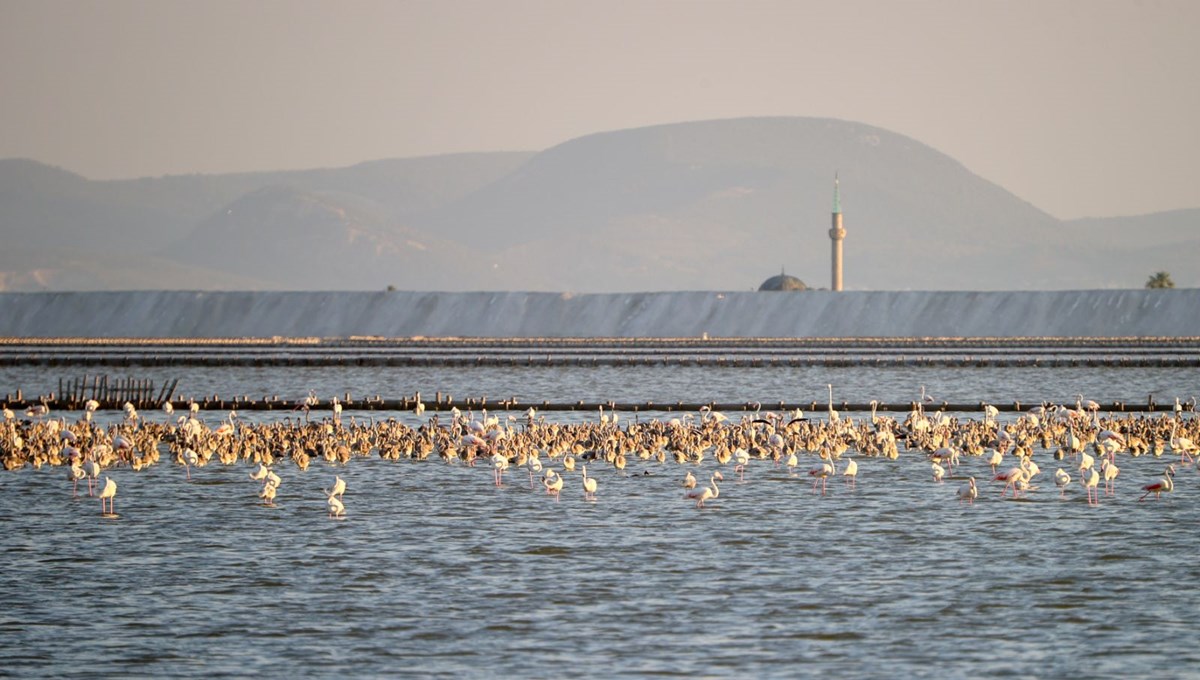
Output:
[[399, 314]]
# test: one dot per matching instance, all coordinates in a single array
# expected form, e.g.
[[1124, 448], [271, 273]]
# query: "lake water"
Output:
[[435, 572]]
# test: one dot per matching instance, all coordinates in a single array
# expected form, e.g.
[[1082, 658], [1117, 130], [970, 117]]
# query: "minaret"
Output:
[[836, 234]]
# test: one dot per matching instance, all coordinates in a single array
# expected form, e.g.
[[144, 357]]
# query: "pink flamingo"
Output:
[[820, 473], [1164, 485], [1011, 478]]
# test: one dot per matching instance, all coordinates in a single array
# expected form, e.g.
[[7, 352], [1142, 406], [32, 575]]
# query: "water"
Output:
[[434, 572]]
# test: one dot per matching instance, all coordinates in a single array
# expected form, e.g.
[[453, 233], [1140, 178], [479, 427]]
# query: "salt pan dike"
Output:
[[401, 314]]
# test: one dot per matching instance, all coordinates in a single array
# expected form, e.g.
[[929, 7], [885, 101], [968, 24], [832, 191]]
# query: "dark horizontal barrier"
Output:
[[813, 410], [553, 361]]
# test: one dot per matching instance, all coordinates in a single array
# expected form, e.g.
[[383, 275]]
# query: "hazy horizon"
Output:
[[1080, 108]]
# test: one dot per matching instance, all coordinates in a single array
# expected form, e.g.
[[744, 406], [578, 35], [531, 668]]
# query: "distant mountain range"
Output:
[[712, 205]]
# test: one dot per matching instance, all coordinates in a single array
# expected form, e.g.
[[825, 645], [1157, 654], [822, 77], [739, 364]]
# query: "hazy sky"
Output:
[[1079, 107]]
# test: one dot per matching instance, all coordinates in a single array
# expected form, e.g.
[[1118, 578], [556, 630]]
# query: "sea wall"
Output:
[[191, 314]]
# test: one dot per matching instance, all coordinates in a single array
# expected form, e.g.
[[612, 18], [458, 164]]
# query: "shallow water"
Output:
[[434, 572]]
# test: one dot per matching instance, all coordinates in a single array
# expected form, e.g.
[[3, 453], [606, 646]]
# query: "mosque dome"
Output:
[[783, 282]]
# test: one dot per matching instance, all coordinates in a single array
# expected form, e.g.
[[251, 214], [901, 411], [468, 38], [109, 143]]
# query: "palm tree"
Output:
[[1160, 280]]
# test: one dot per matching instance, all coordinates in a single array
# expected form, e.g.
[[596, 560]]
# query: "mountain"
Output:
[[68, 221], [310, 240], [708, 205]]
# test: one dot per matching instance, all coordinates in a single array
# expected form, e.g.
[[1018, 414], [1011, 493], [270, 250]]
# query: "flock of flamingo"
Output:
[[1078, 441]]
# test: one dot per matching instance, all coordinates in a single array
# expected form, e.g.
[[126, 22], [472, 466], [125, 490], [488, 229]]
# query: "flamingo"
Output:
[[259, 474], [834, 416], [704, 493], [1031, 468], [1185, 446], [534, 465], [968, 492], [74, 474], [589, 486], [1011, 478], [689, 480], [995, 459], [337, 509], [938, 472], [122, 444], [1164, 485], [92, 469], [851, 472], [1091, 479], [268, 493], [499, 465], [553, 483], [1109, 472], [741, 457], [821, 472], [228, 426], [109, 492], [1061, 480], [189, 459], [339, 487]]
